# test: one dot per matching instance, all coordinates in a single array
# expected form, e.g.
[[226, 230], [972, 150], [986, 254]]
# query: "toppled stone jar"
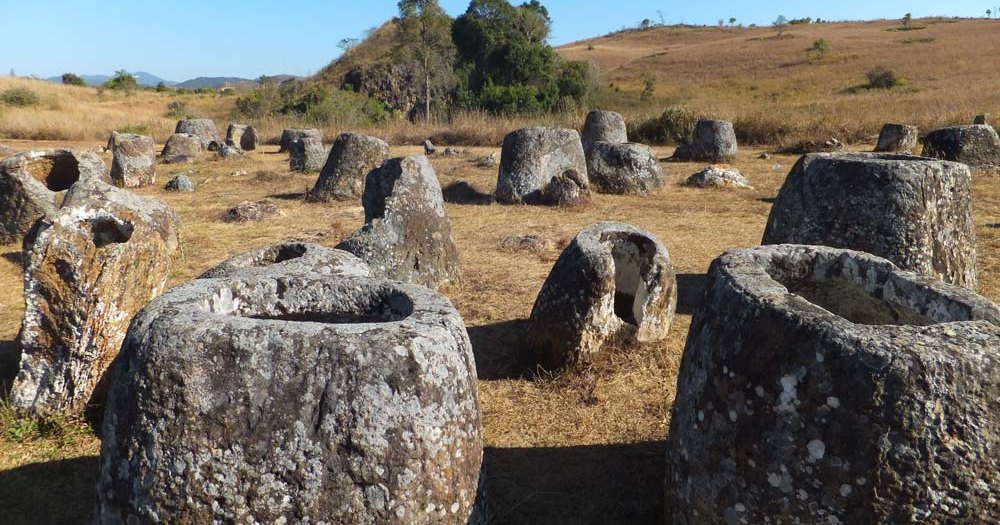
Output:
[[613, 285], [293, 399], [31, 181], [542, 166], [90, 267], [821, 385], [914, 211], [291, 258]]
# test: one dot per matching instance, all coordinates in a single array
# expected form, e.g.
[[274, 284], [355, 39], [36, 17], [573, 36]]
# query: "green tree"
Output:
[[122, 81], [648, 90], [732, 22], [162, 87], [426, 44], [779, 24], [907, 21], [820, 48], [72, 79]]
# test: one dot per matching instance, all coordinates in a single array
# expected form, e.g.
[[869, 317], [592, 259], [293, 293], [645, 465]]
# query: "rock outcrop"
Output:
[[824, 386], [623, 168], [351, 158], [532, 158], [977, 145], [93, 264], [613, 285], [133, 160], [916, 212], [712, 141], [30, 183], [407, 235], [293, 399]]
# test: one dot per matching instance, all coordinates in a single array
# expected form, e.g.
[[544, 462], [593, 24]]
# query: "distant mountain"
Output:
[[212, 82], [142, 78], [151, 80]]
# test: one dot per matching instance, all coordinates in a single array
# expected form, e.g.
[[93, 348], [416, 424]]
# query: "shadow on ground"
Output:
[[52, 493], [690, 292], [499, 350], [10, 361], [462, 192], [582, 485], [295, 196], [14, 257]]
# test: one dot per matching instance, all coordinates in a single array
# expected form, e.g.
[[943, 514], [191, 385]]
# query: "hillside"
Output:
[[758, 80]]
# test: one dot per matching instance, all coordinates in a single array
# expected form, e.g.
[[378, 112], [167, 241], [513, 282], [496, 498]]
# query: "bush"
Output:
[[19, 97], [177, 109], [122, 81], [882, 78], [71, 79], [138, 129], [673, 126]]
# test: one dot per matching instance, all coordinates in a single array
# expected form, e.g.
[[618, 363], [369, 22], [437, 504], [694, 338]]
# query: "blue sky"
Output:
[[182, 39]]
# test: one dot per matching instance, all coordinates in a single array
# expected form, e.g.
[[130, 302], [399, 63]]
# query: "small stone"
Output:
[[764, 156], [429, 148], [248, 211], [490, 161], [718, 177], [227, 152], [180, 183]]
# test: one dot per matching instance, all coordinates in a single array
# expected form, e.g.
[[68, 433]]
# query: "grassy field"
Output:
[[582, 447]]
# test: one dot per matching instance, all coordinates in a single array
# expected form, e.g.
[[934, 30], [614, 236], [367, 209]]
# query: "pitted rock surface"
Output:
[[407, 235], [914, 211], [252, 211], [181, 147], [180, 183], [977, 145], [288, 259], [897, 138], [712, 141], [242, 136], [31, 181], [718, 177], [229, 152], [291, 135], [613, 285], [202, 128], [133, 161], [603, 126], [306, 155], [293, 399], [532, 157], [623, 168], [93, 264], [351, 158], [824, 386]]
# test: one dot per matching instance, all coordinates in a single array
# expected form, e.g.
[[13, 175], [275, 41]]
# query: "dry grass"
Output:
[[582, 447]]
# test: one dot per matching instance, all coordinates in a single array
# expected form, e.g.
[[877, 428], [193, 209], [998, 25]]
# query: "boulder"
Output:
[[180, 183], [821, 386], [290, 258], [977, 146], [92, 265], [133, 163], [202, 128], [30, 183], [293, 399], [567, 189], [603, 126], [489, 161], [242, 136], [897, 138], [614, 285], [306, 155], [406, 236], [291, 135], [712, 141], [429, 148], [181, 147], [718, 177], [916, 212], [532, 157], [623, 168], [251, 211], [351, 158], [228, 152]]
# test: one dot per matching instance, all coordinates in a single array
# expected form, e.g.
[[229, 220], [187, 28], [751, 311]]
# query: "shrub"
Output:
[[820, 48], [177, 109], [138, 129], [881, 78], [71, 79], [673, 126], [122, 81], [19, 97]]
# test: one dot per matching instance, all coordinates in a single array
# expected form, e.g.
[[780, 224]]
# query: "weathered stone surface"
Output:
[[291, 135], [180, 183], [826, 386], [603, 126], [181, 147], [623, 168], [290, 258], [533, 157], [914, 211], [306, 155], [712, 141], [977, 146], [229, 152], [30, 182], [568, 189], [293, 399], [92, 265], [718, 177], [215, 145], [613, 285], [202, 128], [351, 158], [897, 138], [250, 211], [429, 147], [242, 136], [133, 160], [406, 236], [489, 161]]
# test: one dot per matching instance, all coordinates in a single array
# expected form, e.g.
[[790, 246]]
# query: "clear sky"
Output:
[[182, 39]]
